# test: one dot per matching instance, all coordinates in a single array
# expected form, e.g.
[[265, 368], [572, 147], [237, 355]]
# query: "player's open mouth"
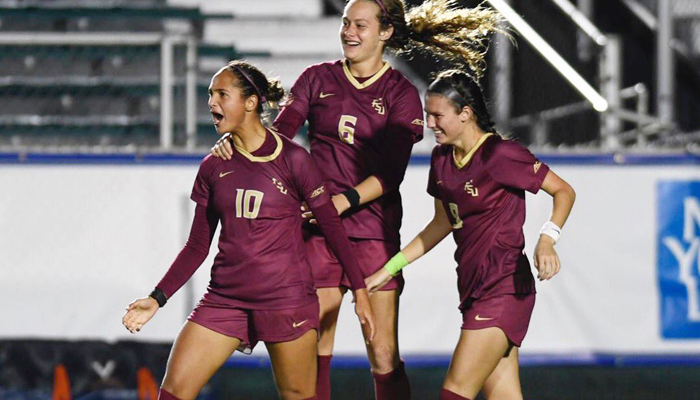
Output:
[[216, 117], [351, 43]]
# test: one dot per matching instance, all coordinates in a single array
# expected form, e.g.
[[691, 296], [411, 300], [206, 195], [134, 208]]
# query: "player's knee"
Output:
[[295, 393], [385, 358]]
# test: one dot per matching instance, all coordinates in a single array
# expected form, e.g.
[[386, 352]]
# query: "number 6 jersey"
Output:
[[358, 128]]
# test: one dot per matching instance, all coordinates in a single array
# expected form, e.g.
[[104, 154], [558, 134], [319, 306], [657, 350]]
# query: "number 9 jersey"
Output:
[[359, 128]]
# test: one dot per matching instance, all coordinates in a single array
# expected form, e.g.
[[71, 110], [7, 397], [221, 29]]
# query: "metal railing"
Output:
[[608, 102], [166, 41]]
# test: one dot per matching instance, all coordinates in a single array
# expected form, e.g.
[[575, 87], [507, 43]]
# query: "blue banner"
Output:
[[678, 244]]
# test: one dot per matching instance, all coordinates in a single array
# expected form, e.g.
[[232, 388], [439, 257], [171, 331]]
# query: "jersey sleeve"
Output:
[[288, 122], [404, 129], [432, 179], [513, 165], [193, 253], [308, 178], [310, 185], [201, 189], [295, 107]]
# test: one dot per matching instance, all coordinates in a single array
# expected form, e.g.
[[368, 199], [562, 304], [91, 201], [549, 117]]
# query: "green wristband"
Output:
[[396, 263]]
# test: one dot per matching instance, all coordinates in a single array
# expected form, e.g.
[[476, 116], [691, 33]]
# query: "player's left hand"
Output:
[[546, 258], [377, 280], [364, 312], [138, 313]]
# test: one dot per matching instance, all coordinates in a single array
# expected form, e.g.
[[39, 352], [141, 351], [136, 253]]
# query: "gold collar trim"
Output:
[[271, 157], [464, 161], [369, 81]]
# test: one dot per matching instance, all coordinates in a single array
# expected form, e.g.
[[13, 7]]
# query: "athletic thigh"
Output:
[[329, 300], [476, 356], [294, 366], [383, 351], [197, 353], [504, 381]]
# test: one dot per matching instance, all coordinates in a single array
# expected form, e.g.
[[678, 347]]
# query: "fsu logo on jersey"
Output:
[[378, 105], [279, 185], [471, 189]]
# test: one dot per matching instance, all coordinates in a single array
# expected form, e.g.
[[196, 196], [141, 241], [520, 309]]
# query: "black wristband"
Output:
[[353, 197], [159, 296]]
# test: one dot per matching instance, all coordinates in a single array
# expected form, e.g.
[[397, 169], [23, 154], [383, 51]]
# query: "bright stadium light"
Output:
[[574, 78]]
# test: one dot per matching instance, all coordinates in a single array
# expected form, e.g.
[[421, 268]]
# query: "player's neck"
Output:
[[365, 68], [467, 140], [250, 137]]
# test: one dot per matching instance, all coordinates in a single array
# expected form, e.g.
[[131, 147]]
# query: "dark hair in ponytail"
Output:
[[458, 87], [442, 28], [252, 81]]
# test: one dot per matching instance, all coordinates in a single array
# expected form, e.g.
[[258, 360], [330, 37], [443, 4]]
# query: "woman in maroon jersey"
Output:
[[479, 180], [364, 117], [261, 286]]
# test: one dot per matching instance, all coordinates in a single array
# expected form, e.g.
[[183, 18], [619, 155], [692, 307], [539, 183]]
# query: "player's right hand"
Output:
[[222, 149], [138, 313], [377, 280], [364, 312]]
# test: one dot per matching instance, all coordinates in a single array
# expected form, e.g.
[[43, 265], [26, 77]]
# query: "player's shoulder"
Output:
[[496, 147], [399, 83], [440, 153], [209, 164], [322, 68], [290, 148]]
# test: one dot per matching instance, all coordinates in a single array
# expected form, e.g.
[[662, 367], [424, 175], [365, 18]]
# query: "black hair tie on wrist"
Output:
[[352, 196], [158, 296]]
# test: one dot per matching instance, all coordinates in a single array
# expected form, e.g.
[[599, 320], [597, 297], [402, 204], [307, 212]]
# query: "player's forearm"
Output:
[[563, 202], [368, 190], [193, 253], [428, 238], [337, 239]]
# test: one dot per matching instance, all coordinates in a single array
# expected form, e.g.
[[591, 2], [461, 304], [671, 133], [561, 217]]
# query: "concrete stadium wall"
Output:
[[80, 241]]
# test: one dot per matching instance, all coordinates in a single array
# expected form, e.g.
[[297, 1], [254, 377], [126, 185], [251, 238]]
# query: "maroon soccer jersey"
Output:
[[484, 196], [358, 129], [261, 262]]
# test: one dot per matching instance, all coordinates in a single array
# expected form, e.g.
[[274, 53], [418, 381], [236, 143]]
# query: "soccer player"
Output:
[[364, 117], [261, 286], [479, 181]]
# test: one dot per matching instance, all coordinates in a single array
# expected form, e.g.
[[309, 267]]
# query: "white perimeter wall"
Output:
[[77, 243]]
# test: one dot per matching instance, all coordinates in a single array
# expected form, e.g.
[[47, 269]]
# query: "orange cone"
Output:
[[61, 383], [148, 388]]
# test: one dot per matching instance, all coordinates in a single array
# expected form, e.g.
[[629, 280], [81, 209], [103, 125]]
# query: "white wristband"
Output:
[[552, 230]]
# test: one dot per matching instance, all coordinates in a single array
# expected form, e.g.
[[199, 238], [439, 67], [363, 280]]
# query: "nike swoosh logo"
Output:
[[324, 95], [298, 324], [480, 318], [222, 174]]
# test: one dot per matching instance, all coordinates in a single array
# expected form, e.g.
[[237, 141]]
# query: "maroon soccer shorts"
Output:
[[252, 326], [510, 312], [371, 255]]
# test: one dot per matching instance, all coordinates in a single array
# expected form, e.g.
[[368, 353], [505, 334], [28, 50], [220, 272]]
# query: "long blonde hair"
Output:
[[444, 29]]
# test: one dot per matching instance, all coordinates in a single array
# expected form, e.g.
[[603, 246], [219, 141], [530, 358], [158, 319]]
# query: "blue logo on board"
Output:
[[678, 245]]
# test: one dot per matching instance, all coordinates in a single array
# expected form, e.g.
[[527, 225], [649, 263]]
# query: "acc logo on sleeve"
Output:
[[678, 246]]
